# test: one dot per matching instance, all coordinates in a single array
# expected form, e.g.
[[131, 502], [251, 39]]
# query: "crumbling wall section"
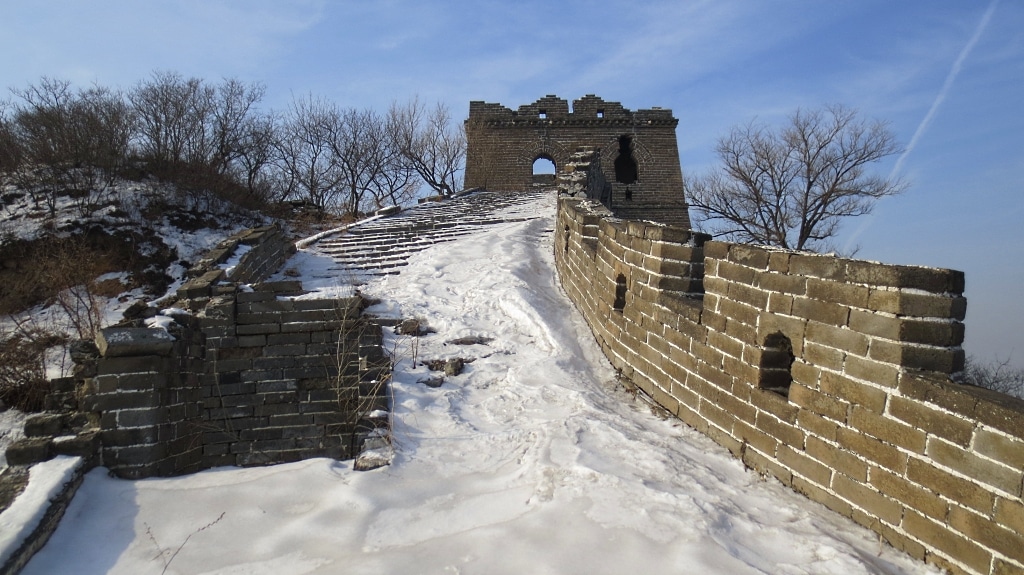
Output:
[[239, 372], [829, 374], [251, 379]]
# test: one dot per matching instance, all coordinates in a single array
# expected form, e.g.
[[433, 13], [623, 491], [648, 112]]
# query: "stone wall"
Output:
[[829, 374], [251, 379], [502, 145], [235, 374]]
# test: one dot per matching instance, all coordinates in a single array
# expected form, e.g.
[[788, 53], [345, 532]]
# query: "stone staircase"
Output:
[[383, 245]]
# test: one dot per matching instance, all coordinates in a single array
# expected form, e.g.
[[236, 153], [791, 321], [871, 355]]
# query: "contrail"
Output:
[[946, 87], [954, 71]]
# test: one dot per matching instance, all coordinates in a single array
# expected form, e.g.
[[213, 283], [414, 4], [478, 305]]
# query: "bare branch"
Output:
[[792, 187]]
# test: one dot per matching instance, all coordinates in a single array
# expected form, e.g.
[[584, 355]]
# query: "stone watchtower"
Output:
[[638, 155]]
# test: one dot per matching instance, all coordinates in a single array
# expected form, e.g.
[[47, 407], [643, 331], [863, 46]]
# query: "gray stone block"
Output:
[[132, 341], [44, 425], [29, 450]]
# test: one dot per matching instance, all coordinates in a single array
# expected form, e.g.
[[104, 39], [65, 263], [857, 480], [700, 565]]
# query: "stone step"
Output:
[[383, 246]]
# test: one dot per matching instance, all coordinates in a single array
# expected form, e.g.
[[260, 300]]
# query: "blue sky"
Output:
[[947, 75]]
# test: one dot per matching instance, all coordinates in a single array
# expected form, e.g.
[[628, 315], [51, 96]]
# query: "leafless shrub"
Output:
[[166, 555], [23, 381], [434, 147], [997, 375]]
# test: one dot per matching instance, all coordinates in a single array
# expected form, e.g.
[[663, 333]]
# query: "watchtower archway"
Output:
[[503, 145], [544, 169]]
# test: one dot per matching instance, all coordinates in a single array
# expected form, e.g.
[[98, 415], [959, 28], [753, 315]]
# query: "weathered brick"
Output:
[[763, 464], [946, 541], [911, 494], [820, 311], [843, 294], [817, 425], [832, 336], [867, 370], [738, 311], [792, 327], [815, 492], [928, 279], [819, 403], [958, 489], [876, 324], [875, 503], [755, 437], [778, 261], [1010, 513], [782, 283], [805, 374], [784, 432], [257, 329], [1001, 567], [984, 531], [937, 389], [735, 273], [780, 303], [28, 451], [805, 466], [823, 356], [932, 421], [750, 256], [725, 344], [748, 295], [887, 429], [983, 470], [736, 407], [818, 266], [917, 305], [916, 356], [873, 449]]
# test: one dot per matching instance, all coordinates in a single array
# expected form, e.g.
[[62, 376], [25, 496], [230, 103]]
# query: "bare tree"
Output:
[[397, 182], [256, 154], [173, 115], [997, 375], [105, 125], [10, 148], [434, 148], [359, 143], [43, 122], [231, 118], [308, 166], [792, 187], [74, 141]]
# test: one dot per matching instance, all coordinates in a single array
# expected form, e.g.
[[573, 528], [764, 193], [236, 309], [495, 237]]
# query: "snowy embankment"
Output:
[[530, 461]]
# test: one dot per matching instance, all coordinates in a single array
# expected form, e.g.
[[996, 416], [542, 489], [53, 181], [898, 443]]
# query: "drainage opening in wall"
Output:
[[776, 364], [620, 293]]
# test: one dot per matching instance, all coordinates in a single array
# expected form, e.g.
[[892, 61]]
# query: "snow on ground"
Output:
[[46, 481], [530, 461]]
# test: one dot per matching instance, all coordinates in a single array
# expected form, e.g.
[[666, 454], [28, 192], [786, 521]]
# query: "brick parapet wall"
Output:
[[870, 425]]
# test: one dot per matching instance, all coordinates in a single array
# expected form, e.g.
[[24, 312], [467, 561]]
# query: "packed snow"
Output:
[[533, 460], [46, 481]]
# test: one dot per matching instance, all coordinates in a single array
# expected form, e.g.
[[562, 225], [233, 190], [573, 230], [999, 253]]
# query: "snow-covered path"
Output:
[[530, 461]]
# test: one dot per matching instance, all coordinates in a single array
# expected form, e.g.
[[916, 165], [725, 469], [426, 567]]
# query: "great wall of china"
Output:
[[830, 374]]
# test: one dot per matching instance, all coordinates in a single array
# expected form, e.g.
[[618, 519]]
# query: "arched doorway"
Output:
[[544, 170]]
